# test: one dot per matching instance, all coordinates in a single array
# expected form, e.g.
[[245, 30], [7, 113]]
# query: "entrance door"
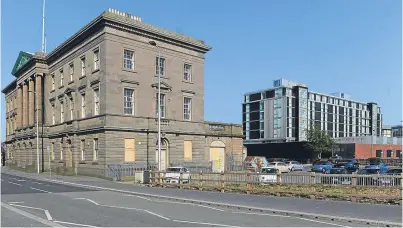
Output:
[[163, 158], [217, 157]]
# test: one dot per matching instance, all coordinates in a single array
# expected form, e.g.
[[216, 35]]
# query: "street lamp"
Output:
[[153, 43], [37, 131]]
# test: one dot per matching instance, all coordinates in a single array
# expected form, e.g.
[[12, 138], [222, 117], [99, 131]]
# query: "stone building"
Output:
[[96, 99]]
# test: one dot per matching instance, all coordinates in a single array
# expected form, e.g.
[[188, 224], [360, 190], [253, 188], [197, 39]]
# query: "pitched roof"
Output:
[[22, 59]]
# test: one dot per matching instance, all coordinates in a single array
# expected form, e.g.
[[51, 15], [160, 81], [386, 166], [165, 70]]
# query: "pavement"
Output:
[[30, 202]]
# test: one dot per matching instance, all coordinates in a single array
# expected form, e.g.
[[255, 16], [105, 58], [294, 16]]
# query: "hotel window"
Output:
[[96, 59], [96, 102], [83, 105], [187, 108], [160, 66], [61, 112], [71, 106], [53, 114], [95, 154], [128, 101], [53, 81], [61, 77], [187, 72], [82, 146], [82, 66], [128, 59], [71, 71], [162, 105]]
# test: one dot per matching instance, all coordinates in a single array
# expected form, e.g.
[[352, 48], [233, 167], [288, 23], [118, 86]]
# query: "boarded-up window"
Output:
[[187, 150], [130, 152]]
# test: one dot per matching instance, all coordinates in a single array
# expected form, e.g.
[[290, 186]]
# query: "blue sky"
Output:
[[329, 45]]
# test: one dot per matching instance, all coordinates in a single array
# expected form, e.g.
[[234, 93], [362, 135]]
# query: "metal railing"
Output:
[[116, 171], [248, 178]]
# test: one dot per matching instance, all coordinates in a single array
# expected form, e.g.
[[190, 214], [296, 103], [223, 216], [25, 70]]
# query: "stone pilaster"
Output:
[[31, 102], [38, 90], [24, 105], [19, 106]]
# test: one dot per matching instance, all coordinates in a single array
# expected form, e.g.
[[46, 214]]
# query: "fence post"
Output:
[[159, 178], [222, 182], [180, 180], [201, 181], [354, 188], [313, 178], [248, 185]]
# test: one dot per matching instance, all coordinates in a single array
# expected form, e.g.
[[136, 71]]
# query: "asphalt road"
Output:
[[28, 202]]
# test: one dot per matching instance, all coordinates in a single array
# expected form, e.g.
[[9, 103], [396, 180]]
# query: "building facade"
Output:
[[386, 130], [397, 131], [95, 96], [285, 112]]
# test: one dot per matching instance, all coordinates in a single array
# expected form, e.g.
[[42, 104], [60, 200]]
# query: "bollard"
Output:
[[180, 180], [201, 181], [222, 182]]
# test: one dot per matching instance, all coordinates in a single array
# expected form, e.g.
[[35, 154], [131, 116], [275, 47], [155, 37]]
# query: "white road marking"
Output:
[[36, 182], [144, 198], [31, 216], [75, 224], [39, 190], [15, 202], [46, 211], [128, 208], [327, 223], [92, 201], [251, 213], [202, 223], [14, 183], [157, 215]]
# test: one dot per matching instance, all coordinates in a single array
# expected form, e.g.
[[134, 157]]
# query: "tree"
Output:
[[319, 142]]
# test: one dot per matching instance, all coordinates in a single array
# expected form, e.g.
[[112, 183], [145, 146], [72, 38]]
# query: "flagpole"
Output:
[[43, 26]]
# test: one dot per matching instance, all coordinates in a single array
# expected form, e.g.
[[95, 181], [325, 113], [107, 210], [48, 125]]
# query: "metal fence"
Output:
[[116, 171], [194, 166], [219, 179]]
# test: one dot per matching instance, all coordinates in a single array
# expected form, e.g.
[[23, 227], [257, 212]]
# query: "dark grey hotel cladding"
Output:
[[284, 113]]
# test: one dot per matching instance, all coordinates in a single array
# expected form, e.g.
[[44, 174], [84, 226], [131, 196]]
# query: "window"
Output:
[[53, 114], [187, 108], [82, 66], [187, 72], [61, 112], [160, 66], [82, 146], [96, 101], [128, 59], [130, 150], [71, 106], [95, 155], [399, 153], [389, 153], [187, 150], [162, 105], [53, 81], [83, 105], [71, 71], [378, 153], [128, 101], [96, 59], [61, 77], [52, 151]]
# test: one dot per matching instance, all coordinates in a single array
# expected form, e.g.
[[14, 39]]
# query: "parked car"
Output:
[[376, 163], [172, 175], [268, 175], [335, 159], [336, 179], [351, 165], [390, 180], [321, 166], [371, 172], [280, 166], [294, 166]]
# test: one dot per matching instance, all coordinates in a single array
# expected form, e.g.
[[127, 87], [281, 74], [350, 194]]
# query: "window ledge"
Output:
[[82, 76], [53, 90], [95, 70], [61, 86], [163, 77], [129, 70], [190, 82], [82, 162], [71, 82]]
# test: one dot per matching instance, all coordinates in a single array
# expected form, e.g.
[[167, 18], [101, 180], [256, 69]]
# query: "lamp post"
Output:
[[37, 132], [153, 43]]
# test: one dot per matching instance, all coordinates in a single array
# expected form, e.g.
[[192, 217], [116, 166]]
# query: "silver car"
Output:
[[295, 166]]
